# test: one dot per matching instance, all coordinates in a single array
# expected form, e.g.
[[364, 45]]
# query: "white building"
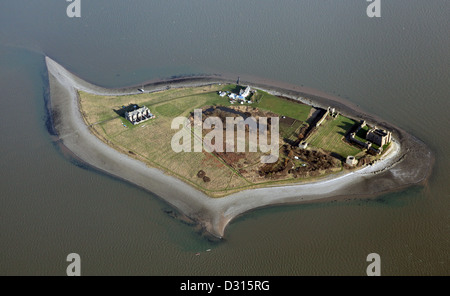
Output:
[[232, 96], [245, 93]]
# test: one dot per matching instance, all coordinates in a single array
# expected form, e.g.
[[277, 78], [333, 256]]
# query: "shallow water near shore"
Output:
[[393, 67]]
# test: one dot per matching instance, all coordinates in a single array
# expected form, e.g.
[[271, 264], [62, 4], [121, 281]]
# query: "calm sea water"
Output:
[[396, 67]]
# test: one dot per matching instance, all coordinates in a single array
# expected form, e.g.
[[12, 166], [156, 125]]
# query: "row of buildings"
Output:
[[241, 97]]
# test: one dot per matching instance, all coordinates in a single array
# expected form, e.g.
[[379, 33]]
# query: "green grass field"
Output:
[[330, 136], [361, 134], [281, 106]]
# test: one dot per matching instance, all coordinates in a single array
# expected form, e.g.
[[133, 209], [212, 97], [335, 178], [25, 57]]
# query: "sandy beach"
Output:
[[408, 162]]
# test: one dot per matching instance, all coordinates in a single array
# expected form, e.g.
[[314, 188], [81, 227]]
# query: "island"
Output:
[[325, 147]]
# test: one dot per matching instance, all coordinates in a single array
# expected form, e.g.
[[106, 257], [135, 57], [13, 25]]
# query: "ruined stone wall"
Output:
[[321, 119]]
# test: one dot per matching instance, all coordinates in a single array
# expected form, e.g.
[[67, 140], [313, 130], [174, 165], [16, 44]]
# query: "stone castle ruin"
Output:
[[139, 115], [378, 136], [374, 136], [351, 161]]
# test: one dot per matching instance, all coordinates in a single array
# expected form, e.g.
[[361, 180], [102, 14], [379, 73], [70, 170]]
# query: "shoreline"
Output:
[[398, 169]]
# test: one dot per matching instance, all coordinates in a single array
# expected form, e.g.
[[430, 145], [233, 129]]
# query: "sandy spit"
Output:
[[409, 162]]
